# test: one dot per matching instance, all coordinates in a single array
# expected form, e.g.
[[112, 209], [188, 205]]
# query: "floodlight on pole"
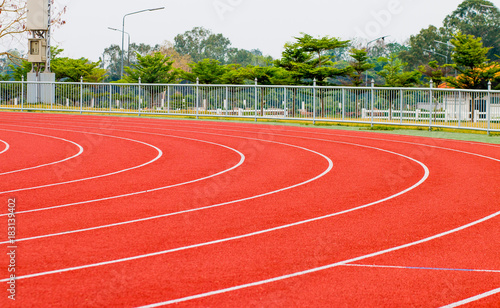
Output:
[[123, 30], [368, 44]]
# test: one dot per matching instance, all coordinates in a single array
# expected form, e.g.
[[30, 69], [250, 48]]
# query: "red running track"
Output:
[[130, 212]]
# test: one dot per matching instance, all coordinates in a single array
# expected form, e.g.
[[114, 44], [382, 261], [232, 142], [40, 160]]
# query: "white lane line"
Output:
[[6, 147], [473, 299], [322, 268], [160, 154], [423, 268], [242, 160], [48, 164], [170, 186], [330, 166], [424, 178]]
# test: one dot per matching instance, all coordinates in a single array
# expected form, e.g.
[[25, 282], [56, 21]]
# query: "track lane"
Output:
[[224, 299]]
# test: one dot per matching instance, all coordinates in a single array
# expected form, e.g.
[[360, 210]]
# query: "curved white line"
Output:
[[321, 268], [175, 185], [160, 154], [48, 164], [473, 299], [6, 147], [253, 233], [242, 159]]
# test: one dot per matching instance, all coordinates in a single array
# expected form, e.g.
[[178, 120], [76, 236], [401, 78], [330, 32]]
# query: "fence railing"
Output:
[[424, 107]]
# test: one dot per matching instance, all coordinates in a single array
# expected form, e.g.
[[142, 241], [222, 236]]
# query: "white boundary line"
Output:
[[325, 267], [472, 299], [242, 160], [423, 268], [43, 165], [199, 124], [160, 154], [249, 234], [330, 167], [6, 147]]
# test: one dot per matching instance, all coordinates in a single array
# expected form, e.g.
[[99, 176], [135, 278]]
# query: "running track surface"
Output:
[[131, 212]]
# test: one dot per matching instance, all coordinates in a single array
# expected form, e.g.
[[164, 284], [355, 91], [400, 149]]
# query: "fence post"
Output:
[[139, 109], [255, 99], [226, 101], [81, 94], [431, 104], [168, 99], [401, 106], [488, 111], [197, 97], [373, 101], [343, 104], [314, 101], [110, 97], [460, 109], [22, 93]]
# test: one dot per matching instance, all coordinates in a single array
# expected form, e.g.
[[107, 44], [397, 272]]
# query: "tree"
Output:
[[471, 61], [180, 61], [72, 70], [435, 72], [112, 56], [471, 18], [359, 66], [416, 54], [201, 43], [152, 68], [209, 71]]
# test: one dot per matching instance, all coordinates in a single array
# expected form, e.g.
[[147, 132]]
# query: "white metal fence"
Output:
[[424, 107]]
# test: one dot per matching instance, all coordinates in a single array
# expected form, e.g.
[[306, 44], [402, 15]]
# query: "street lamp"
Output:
[[123, 30], [128, 45], [437, 53], [448, 45], [368, 44]]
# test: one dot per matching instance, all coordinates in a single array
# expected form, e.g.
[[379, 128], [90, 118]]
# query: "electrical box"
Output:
[[37, 52], [37, 17]]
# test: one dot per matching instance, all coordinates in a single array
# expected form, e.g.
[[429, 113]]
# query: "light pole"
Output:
[[123, 30], [449, 46], [128, 45], [437, 53], [368, 44]]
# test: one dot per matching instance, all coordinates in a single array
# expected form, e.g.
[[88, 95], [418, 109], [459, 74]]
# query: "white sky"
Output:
[[263, 24]]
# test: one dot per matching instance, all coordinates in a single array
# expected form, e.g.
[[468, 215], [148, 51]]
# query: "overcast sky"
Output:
[[263, 24]]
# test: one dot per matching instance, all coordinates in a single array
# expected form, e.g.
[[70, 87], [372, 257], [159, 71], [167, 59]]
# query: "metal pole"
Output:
[[168, 99], [343, 104], [431, 104], [314, 101], [81, 95], [197, 97], [373, 101], [255, 99], [226, 102], [139, 96], [123, 39], [489, 107], [401, 106], [22, 93], [110, 97], [47, 63]]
